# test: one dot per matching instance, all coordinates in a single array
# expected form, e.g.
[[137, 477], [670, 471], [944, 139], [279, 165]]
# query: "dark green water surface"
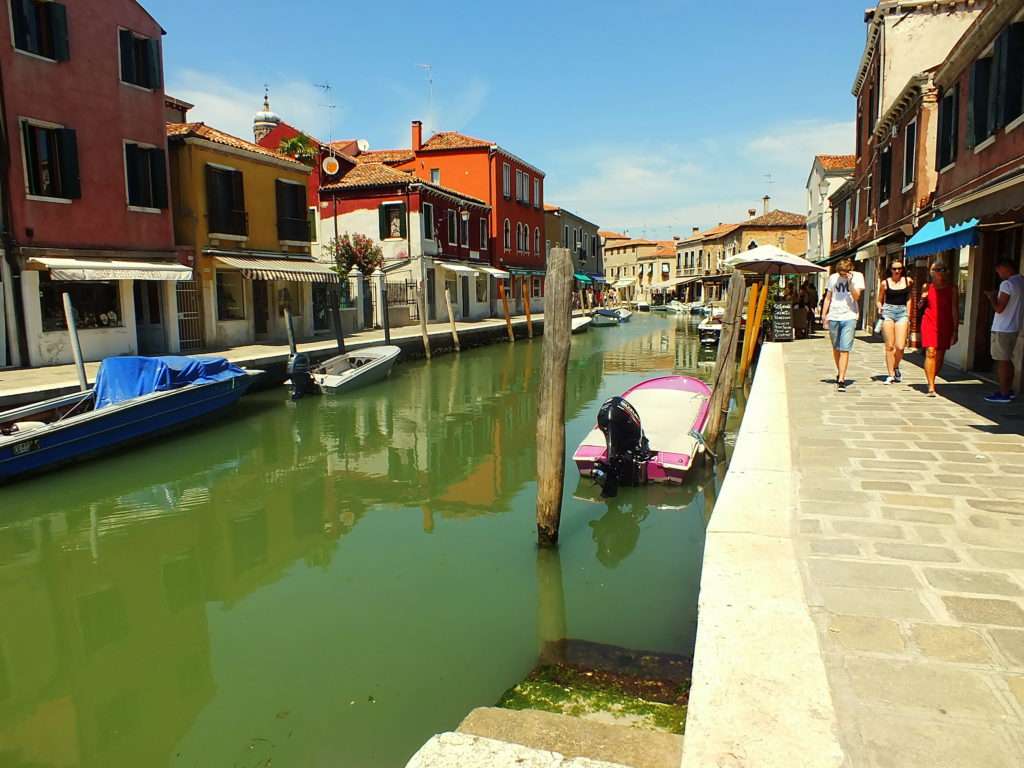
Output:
[[330, 582]]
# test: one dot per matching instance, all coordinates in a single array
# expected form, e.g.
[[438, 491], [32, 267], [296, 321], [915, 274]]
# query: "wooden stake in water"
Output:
[[385, 314], [527, 290], [422, 304], [551, 397], [508, 317], [451, 318], [76, 348], [339, 332], [292, 347], [725, 366]]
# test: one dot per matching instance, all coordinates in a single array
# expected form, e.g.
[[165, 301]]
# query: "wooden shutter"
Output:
[[236, 193], [217, 202], [1013, 84], [401, 219], [154, 70], [58, 16], [281, 195], [158, 177], [997, 81], [128, 73], [972, 108], [133, 159], [67, 153], [382, 221], [22, 16], [31, 160], [954, 124]]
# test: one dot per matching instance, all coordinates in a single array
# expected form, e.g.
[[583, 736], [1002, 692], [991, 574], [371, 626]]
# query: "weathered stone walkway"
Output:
[[910, 529], [862, 601]]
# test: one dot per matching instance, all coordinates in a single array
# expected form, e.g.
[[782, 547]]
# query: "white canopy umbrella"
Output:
[[770, 260]]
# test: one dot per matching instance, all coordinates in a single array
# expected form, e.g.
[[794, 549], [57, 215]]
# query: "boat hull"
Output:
[[97, 432], [376, 369], [598, 320], [581, 324]]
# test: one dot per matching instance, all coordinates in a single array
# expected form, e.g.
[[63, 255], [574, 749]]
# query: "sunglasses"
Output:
[[897, 269], [939, 269]]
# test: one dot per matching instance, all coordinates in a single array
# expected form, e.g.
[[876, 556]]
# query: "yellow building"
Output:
[[243, 211], [623, 268]]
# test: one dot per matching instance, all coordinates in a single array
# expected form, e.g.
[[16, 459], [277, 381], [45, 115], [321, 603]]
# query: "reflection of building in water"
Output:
[[104, 644], [669, 346]]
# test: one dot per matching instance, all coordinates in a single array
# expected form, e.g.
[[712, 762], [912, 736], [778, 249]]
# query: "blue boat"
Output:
[[134, 398]]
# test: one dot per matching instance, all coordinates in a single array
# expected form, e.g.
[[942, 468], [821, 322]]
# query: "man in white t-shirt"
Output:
[[1008, 302], [840, 313]]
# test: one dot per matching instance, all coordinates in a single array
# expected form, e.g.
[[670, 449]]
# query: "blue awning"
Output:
[[935, 237]]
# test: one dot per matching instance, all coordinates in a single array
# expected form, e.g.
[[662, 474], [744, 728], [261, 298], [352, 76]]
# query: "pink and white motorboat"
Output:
[[652, 433]]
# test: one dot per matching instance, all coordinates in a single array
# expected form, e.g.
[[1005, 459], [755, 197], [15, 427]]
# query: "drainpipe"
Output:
[[8, 242]]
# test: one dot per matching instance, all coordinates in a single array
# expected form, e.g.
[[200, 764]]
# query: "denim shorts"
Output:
[[841, 332], [896, 312]]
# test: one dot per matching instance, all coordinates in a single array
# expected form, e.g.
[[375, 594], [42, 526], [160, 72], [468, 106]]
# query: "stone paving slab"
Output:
[[463, 750], [910, 540]]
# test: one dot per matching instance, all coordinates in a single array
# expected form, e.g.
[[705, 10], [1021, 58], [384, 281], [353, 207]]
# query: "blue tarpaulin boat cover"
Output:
[[124, 378], [935, 237]]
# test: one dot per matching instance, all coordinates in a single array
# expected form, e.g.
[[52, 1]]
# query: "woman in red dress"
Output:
[[939, 323]]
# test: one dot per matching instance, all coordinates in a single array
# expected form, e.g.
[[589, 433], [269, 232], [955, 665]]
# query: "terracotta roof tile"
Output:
[[454, 140], [837, 162], [549, 207], [387, 156], [666, 248], [610, 235], [368, 175], [720, 231], [204, 131], [776, 219]]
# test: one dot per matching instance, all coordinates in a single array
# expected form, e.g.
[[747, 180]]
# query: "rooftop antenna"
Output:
[[326, 88], [429, 69], [769, 179]]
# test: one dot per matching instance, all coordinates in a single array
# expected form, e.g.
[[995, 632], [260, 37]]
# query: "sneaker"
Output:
[[840, 386], [897, 376], [889, 380], [999, 397]]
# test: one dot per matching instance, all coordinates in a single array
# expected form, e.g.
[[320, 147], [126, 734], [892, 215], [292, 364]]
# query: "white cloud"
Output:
[[795, 144], [230, 107]]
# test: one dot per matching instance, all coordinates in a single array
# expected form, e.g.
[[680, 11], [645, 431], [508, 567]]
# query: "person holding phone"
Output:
[[894, 306], [1008, 302], [940, 322], [839, 313]]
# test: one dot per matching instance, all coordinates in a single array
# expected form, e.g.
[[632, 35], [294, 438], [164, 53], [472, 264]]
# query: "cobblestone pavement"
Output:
[[911, 545]]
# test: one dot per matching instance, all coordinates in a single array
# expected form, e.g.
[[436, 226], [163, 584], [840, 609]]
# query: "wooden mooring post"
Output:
[[451, 318], [421, 301], [749, 338], [527, 290], [385, 315], [725, 366], [76, 347], [508, 317], [551, 397], [290, 328]]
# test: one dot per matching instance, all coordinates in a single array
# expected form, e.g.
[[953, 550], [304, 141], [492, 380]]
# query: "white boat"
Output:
[[624, 315], [643, 306], [581, 324], [660, 308], [677, 307], [604, 317], [709, 330], [343, 373]]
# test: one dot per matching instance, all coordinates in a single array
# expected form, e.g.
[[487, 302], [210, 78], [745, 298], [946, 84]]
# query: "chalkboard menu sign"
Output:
[[782, 321]]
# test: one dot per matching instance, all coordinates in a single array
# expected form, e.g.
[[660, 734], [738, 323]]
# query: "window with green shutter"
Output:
[[949, 118], [51, 161], [292, 213], [40, 28], [981, 105], [225, 202], [146, 174], [140, 60]]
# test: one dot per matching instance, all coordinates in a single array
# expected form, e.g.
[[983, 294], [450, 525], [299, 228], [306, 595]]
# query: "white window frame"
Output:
[[536, 240], [438, 179], [506, 235], [506, 180], [140, 36], [906, 146], [565, 236], [24, 157], [124, 162], [536, 192], [485, 233], [451, 216], [427, 223]]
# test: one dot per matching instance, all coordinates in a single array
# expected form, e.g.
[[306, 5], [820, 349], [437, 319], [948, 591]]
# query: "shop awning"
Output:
[[675, 282], [583, 278], [936, 236], [452, 266], [997, 197], [253, 268], [624, 282], [109, 269], [597, 278], [501, 274], [525, 271]]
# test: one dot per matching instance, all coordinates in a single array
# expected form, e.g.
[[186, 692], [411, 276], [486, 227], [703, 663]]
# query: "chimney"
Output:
[[752, 213], [417, 135], [696, 230], [767, 201]]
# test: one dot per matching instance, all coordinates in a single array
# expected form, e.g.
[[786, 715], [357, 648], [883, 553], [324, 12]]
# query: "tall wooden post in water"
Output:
[[725, 366], [422, 305], [451, 318], [527, 290], [551, 398], [508, 317]]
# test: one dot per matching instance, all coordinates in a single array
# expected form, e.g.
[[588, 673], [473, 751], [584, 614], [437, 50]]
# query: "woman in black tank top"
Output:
[[895, 296]]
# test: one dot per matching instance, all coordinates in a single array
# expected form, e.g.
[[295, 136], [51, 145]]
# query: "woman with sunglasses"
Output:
[[940, 322], [894, 300]]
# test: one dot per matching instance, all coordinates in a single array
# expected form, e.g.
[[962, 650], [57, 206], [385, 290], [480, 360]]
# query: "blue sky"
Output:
[[648, 116]]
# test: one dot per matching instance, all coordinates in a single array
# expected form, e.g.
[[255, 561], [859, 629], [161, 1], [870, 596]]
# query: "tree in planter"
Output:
[[356, 251], [301, 147]]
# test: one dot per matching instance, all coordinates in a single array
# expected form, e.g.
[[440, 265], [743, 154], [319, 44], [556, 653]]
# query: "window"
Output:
[[981, 104], [225, 201], [860, 131], [909, 154], [51, 161], [481, 289], [292, 223], [485, 234], [949, 118], [314, 235], [428, 221], [506, 180], [1009, 54], [146, 175], [847, 212], [507, 236], [97, 303], [884, 175], [391, 221], [856, 210], [536, 287], [536, 193], [140, 60], [536, 240], [230, 296], [452, 228], [464, 231], [872, 110], [565, 236], [40, 28], [435, 175]]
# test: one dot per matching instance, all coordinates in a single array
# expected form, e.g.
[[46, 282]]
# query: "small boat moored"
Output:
[[581, 324], [343, 373], [624, 314], [601, 318], [652, 433]]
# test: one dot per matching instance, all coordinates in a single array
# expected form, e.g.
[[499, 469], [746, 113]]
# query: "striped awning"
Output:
[[501, 274], [306, 271], [109, 269], [452, 266]]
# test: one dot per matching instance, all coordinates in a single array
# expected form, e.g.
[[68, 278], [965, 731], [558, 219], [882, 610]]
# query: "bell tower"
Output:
[[264, 121]]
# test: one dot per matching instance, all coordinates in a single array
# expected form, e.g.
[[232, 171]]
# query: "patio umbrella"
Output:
[[770, 260]]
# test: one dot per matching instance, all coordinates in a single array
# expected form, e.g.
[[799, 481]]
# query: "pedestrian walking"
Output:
[[1008, 302], [894, 306], [940, 322], [839, 313]]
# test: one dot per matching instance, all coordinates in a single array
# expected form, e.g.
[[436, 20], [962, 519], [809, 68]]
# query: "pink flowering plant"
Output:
[[356, 251]]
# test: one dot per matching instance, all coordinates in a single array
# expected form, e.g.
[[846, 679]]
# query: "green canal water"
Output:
[[329, 582]]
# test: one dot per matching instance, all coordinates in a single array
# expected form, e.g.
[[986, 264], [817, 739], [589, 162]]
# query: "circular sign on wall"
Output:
[[330, 165]]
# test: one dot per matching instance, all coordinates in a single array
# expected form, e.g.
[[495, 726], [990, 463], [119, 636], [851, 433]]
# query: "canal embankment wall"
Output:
[[760, 695]]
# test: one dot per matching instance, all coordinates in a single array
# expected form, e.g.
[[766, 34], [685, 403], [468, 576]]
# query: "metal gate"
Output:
[[190, 321]]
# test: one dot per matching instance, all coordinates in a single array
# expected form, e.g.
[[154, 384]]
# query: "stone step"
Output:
[[463, 750], [576, 737]]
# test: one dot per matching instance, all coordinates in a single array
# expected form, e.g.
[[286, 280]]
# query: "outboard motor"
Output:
[[628, 449], [299, 366]]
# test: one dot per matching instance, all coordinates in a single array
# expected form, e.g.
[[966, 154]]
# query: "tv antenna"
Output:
[[769, 179], [326, 88], [429, 69]]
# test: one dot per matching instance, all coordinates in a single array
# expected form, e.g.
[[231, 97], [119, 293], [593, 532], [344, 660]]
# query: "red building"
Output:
[[85, 186]]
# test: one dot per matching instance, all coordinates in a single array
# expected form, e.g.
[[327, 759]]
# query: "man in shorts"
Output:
[[1008, 302], [839, 314]]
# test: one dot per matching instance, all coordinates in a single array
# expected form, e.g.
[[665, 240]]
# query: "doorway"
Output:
[[1008, 241], [149, 321], [465, 297], [260, 308], [431, 301]]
